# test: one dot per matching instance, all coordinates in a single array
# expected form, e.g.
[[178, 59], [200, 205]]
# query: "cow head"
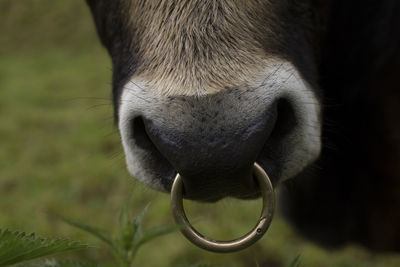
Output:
[[206, 88]]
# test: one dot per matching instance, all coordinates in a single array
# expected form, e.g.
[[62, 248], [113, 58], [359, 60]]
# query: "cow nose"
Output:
[[213, 148]]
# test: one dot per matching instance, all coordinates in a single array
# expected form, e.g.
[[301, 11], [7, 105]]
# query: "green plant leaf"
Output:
[[138, 221], [128, 230], [200, 264], [57, 263], [296, 262], [97, 232], [156, 232], [16, 247]]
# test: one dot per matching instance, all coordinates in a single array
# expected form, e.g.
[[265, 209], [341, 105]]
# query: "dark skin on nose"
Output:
[[215, 163]]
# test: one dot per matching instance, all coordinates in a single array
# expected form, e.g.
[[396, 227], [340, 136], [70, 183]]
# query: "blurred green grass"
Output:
[[60, 151]]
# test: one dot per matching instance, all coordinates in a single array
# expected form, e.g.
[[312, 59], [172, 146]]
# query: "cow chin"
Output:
[[214, 136]]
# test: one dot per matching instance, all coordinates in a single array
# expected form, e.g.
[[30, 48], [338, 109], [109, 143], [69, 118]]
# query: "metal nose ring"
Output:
[[243, 242]]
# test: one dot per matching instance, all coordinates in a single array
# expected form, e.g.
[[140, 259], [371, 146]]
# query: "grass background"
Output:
[[60, 152]]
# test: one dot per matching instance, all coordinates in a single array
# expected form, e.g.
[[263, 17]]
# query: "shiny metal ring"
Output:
[[233, 245]]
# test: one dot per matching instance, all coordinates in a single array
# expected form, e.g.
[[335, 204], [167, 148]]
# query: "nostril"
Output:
[[144, 155], [286, 120], [139, 134], [281, 140]]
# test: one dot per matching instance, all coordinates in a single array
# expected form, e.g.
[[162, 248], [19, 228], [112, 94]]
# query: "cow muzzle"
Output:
[[213, 140]]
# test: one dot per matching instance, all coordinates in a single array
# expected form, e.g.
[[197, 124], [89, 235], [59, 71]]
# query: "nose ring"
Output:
[[268, 198]]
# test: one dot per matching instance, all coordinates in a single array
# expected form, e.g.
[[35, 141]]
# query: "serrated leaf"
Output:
[[16, 247], [101, 234]]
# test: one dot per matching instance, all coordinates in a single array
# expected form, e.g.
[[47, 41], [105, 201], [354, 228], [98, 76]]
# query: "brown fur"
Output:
[[219, 47]]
